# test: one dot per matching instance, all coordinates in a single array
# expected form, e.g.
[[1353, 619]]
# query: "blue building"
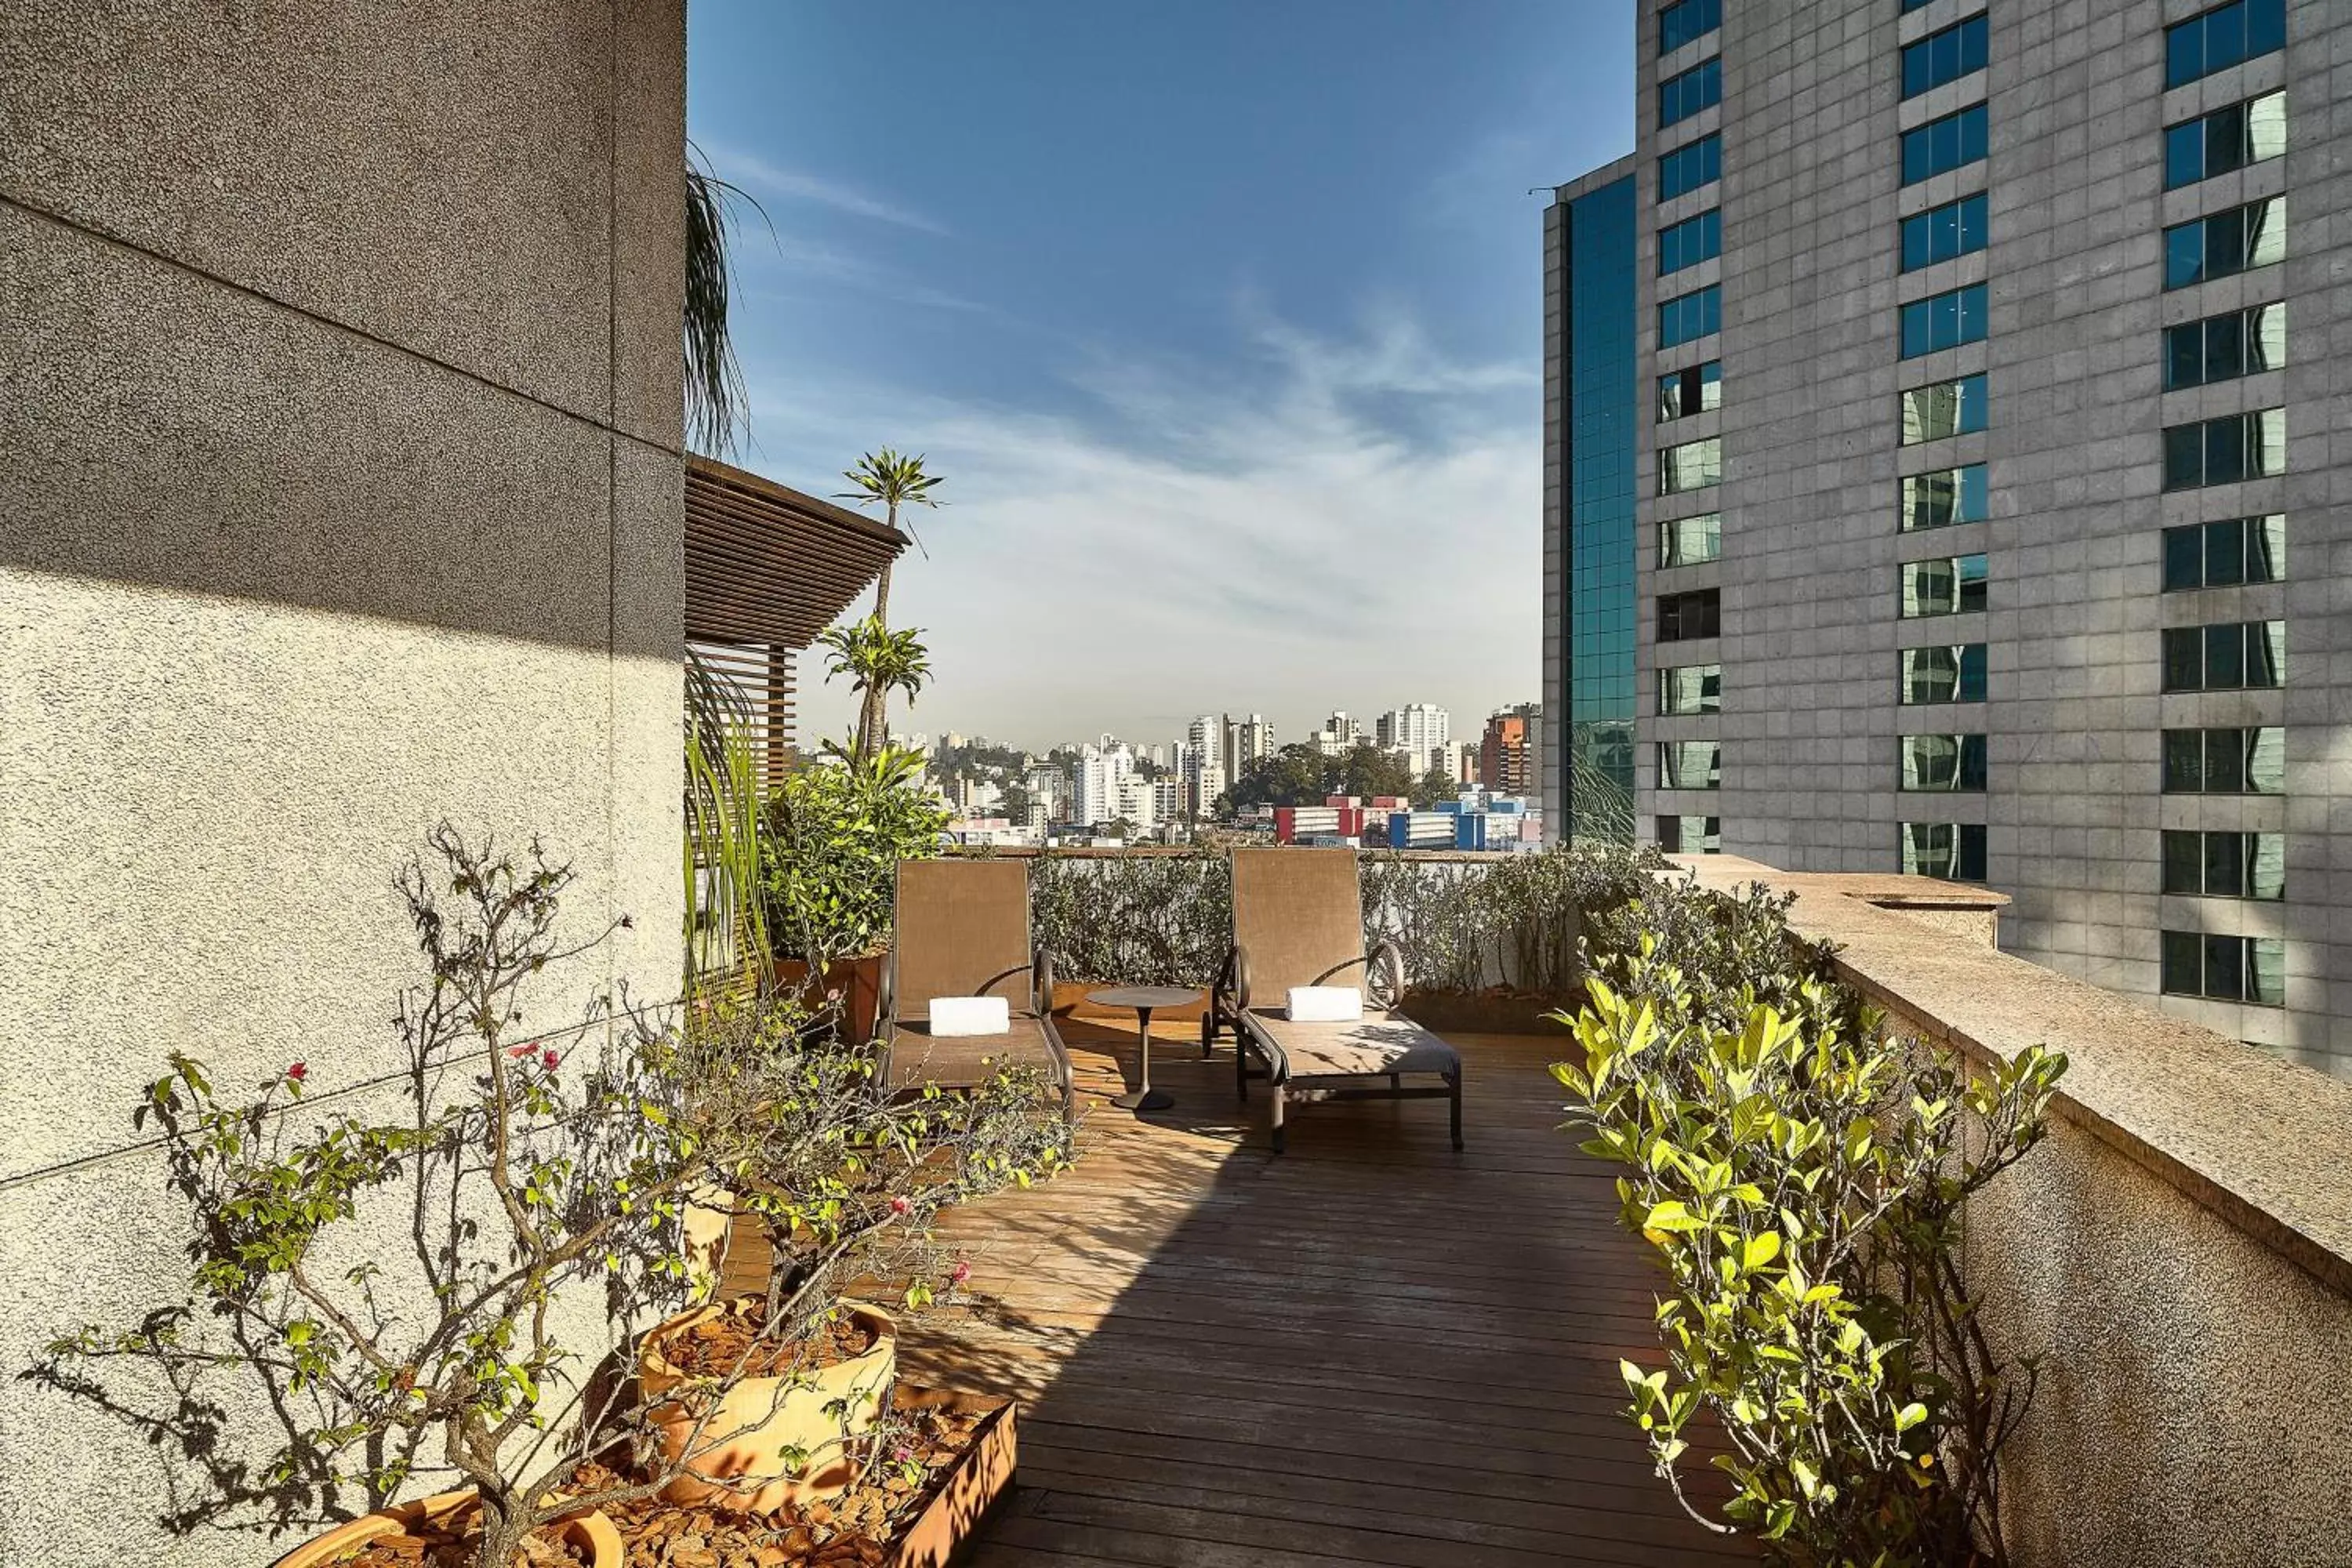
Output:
[[1590, 401]]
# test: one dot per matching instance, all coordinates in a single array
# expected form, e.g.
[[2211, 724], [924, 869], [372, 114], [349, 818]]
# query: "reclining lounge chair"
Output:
[[962, 929], [1298, 920]]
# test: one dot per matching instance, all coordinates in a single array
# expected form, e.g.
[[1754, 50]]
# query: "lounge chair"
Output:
[[962, 929], [1298, 920]]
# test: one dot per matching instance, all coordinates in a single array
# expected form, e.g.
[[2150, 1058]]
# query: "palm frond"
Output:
[[726, 916], [716, 399]]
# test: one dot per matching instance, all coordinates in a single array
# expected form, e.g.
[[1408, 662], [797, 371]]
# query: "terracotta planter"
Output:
[[591, 1533], [745, 1443], [979, 1481], [858, 981]]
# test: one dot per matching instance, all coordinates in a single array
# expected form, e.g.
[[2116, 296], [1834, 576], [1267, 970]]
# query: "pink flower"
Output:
[[548, 1058], [960, 1273], [518, 1052], [299, 1071], [899, 1205]]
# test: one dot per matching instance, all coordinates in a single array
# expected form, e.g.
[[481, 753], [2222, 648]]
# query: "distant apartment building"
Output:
[[1095, 780], [1168, 799], [1340, 735], [1510, 750], [1945, 473], [1248, 742], [1413, 730], [1134, 800]]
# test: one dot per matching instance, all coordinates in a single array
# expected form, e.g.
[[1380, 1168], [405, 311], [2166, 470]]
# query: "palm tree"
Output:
[[894, 480], [716, 398], [877, 661]]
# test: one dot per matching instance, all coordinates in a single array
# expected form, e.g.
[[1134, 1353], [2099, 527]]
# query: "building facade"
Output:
[[1991, 447], [1415, 729], [1590, 404]]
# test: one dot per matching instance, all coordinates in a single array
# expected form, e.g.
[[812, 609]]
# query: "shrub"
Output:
[[1803, 1177], [1139, 920], [836, 835]]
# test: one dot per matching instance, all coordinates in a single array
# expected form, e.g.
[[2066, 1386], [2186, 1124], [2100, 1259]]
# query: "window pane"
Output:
[[2266, 442], [2225, 760], [2225, 657], [2264, 228], [2224, 355], [2184, 863], [2267, 127], [2225, 968], [2265, 549], [2265, 337], [1692, 466], [2184, 658], [1679, 24], [2184, 154], [2225, 450], [2265, 27], [1971, 868], [2225, 869], [2266, 970], [1690, 765], [2184, 255], [2266, 652], [1930, 675], [1687, 540], [1972, 672], [2264, 752], [2184, 457], [2183, 963], [2266, 864], [2184, 558], [2184, 355], [2184, 762], [1693, 689]]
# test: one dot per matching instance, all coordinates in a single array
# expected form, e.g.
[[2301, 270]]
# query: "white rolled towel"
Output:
[[1324, 1004], [971, 1015]]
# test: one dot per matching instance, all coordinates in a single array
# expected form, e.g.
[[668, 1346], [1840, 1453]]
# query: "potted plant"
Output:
[[834, 835], [755, 1399], [533, 1180]]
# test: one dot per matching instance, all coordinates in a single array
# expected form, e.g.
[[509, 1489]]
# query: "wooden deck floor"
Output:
[[1369, 1351]]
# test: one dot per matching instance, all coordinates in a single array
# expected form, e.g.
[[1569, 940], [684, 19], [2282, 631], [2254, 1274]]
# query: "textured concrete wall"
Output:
[[339, 493], [2179, 1252], [1810, 197]]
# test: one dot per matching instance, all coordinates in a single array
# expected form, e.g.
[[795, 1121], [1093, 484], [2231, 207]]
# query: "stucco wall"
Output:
[[2179, 1252], [339, 493]]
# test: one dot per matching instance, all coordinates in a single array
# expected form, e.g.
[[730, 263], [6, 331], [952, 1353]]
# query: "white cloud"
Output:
[[762, 178], [1204, 545]]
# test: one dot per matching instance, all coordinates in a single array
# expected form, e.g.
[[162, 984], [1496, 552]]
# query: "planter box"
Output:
[[977, 1484], [858, 981], [1494, 1011]]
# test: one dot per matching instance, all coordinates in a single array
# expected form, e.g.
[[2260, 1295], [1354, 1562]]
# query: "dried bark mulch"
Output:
[[430, 1548], [728, 1343], [855, 1527]]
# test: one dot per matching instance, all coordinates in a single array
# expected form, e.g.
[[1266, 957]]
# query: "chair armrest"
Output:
[[1384, 974], [1233, 982], [886, 996], [1040, 976]]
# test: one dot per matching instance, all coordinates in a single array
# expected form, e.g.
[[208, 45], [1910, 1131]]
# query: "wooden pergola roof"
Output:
[[766, 566]]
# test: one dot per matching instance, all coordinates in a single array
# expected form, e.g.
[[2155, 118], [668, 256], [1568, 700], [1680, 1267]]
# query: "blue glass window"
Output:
[[2225, 451], [1692, 315], [1942, 497], [1942, 320], [1688, 168], [1944, 56], [1691, 241], [2225, 139], [1679, 24], [2230, 242], [1942, 146], [1948, 673], [2223, 38], [1911, 5], [1680, 97], [1940, 234], [1944, 408]]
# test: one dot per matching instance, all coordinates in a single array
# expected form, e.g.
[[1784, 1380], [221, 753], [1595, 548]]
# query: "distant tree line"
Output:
[[1298, 774]]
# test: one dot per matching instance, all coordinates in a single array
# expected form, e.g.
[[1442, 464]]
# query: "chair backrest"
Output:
[[962, 929], [1300, 914]]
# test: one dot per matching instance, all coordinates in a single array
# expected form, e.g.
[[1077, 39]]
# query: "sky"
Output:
[[1221, 320]]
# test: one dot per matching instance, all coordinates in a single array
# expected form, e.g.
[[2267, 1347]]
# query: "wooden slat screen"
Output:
[[767, 568]]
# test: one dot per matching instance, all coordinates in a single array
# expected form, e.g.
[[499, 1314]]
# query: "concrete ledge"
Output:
[[2265, 1143]]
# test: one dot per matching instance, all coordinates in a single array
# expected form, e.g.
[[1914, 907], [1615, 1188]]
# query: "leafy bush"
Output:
[[836, 835], [1139, 920], [1803, 1177]]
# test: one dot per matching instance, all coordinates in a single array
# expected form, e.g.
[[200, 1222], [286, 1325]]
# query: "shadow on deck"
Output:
[[1371, 1350]]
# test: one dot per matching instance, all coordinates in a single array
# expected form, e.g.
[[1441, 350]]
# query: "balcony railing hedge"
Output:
[[1462, 925]]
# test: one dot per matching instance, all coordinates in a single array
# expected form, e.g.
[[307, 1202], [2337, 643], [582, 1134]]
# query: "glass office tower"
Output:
[[1590, 434]]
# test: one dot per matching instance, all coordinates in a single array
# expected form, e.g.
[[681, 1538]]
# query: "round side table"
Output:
[[1143, 999]]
